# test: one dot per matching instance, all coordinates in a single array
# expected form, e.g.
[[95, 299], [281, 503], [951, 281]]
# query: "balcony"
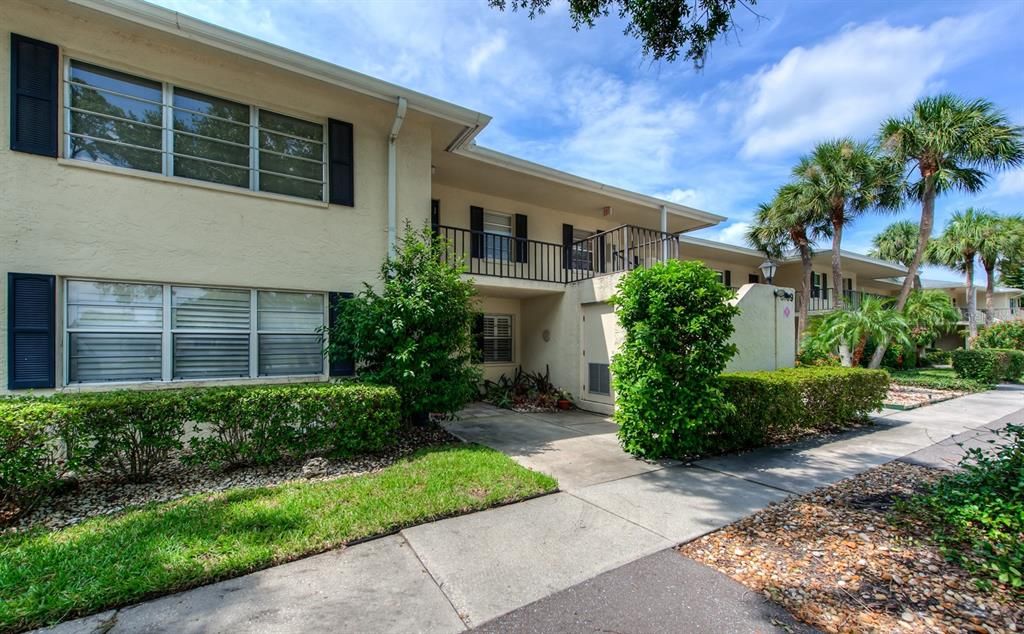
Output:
[[822, 300], [998, 314], [614, 251]]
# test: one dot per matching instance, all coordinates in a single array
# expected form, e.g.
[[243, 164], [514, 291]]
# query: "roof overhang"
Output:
[[181, 25], [863, 265], [481, 169], [704, 249]]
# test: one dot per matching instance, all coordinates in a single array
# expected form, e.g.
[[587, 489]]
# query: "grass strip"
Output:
[[161, 548]]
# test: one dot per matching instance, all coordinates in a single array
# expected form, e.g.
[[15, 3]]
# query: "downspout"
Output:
[[393, 176], [664, 230]]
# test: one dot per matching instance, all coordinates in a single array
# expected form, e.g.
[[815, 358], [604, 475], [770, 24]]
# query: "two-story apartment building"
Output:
[[182, 205]]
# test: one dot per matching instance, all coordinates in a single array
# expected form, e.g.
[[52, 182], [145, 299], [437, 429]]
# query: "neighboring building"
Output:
[[182, 205]]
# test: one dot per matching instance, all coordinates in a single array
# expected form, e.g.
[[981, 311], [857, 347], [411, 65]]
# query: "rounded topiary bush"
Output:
[[677, 324]]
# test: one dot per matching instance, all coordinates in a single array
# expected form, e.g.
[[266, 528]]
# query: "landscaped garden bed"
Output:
[[911, 397], [895, 549]]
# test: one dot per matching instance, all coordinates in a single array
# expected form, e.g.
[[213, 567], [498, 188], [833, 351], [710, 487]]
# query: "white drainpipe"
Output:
[[393, 175], [664, 230]]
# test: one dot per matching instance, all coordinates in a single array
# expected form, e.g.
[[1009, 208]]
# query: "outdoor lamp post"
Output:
[[768, 269]]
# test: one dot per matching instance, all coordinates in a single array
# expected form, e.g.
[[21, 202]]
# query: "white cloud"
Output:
[[735, 233], [848, 84], [484, 52], [690, 197], [1010, 183]]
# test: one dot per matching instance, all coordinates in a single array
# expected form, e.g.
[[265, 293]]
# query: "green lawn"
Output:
[[936, 379], [162, 548]]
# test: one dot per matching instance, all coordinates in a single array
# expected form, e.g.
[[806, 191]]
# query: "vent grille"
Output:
[[600, 379]]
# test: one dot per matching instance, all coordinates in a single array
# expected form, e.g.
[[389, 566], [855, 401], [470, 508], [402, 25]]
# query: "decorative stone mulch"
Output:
[[840, 558], [172, 480], [910, 397]]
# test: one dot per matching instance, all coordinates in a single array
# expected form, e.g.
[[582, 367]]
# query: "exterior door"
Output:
[[600, 340]]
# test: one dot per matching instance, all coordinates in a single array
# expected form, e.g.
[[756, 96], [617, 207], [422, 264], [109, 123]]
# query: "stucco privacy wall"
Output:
[[765, 331], [68, 219]]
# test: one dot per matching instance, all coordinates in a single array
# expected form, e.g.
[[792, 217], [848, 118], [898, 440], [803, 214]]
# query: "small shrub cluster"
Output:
[[1005, 334], [525, 391], [773, 406], [978, 511], [935, 357], [989, 365], [677, 325], [125, 435]]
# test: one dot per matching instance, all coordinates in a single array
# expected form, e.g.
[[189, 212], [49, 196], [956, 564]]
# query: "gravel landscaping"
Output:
[[910, 397], [94, 496], [844, 558]]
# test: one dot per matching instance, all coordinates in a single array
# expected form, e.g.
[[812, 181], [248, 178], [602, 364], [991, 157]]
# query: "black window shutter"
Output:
[[753, 278], [521, 237], [478, 335], [339, 367], [31, 325], [567, 246], [435, 216], [824, 286], [34, 85], [476, 228], [728, 278], [600, 253], [342, 163]]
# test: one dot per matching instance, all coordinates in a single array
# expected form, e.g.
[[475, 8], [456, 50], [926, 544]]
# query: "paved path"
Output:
[[613, 510]]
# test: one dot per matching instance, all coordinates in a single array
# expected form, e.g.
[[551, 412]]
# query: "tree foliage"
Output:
[[896, 243], [665, 28], [677, 323], [414, 334], [958, 247], [874, 321]]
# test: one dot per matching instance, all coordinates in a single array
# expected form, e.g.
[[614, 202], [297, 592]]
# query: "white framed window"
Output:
[[720, 275], [123, 332], [582, 249], [498, 235], [123, 120], [497, 339]]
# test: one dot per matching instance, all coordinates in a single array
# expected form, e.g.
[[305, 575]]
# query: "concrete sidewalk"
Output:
[[613, 510]]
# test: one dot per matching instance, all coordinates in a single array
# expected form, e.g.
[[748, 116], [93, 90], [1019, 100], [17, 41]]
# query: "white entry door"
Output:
[[600, 334]]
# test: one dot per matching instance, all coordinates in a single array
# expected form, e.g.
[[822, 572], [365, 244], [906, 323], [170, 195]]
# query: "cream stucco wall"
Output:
[[765, 334], [70, 219]]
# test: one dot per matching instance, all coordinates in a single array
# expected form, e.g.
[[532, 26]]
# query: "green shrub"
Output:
[[264, 424], [1005, 334], [124, 434], [937, 379], [989, 365], [677, 325], [416, 334], [29, 451], [772, 406], [978, 512], [936, 357]]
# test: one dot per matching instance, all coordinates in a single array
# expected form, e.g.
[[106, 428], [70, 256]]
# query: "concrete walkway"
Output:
[[612, 510]]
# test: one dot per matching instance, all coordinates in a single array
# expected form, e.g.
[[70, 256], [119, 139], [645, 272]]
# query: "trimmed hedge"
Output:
[[30, 452], [936, 357], [772, 406], [125, 434], [989, 365], [264, 424]]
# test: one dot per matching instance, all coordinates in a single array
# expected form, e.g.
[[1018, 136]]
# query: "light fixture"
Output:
[[768, 269]]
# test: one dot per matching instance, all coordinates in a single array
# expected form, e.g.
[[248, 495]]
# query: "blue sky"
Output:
[[721, 140]]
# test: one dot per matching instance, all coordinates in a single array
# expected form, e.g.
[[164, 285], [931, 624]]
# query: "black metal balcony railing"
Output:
[[620, 249], [998, 314], [823, 299]]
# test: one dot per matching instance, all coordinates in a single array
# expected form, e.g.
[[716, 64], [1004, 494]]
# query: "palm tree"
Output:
[[950, 142], [784, 225], [928, 314], [840, 180], [1002, 241], [897, 243], [873, 321], [957, 248]]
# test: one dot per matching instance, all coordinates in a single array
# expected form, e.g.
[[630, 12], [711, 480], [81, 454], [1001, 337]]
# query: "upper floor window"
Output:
[[119, 119], [497, 235]]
